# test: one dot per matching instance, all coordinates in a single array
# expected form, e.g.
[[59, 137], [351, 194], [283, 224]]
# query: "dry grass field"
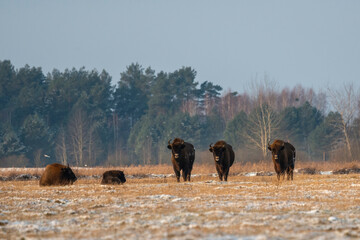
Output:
[[156, 207]]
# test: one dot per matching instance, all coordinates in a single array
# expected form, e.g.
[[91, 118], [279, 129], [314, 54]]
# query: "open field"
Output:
[[246, 207]]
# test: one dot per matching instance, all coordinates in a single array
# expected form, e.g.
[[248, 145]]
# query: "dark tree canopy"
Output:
[[77, 116]]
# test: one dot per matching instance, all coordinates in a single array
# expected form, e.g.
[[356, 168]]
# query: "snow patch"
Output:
[[250, 174], [162, 196], [314, 211]]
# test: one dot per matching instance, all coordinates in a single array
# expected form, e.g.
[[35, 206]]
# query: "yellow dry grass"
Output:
[[311, 206], [144, 170], [236, 169]]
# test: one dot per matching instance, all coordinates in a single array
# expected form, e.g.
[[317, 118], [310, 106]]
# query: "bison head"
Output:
[[68, 174], [122, 177], [276, 150], [218, 152], [176, 147]]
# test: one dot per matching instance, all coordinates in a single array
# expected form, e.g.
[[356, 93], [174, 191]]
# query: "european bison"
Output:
[[224, 158], [57, 174], [283, 156], [113, 177], [182, 158]]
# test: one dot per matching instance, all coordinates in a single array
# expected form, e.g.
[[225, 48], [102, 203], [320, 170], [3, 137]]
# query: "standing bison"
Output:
[[283, 156], [182, 158], [113, 177], [224, 158], [57, 174]]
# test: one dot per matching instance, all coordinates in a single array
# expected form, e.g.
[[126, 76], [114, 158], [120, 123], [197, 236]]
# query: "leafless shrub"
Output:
[[264, 173], [310, 171], [353, 169]]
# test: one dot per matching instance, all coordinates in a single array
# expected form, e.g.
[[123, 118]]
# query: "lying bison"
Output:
[[283, 156], [224, 158], [113, 177], [182, 158], [57, 174]]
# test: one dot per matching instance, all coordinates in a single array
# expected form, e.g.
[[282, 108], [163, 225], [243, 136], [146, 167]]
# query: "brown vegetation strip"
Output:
[[143, 171]]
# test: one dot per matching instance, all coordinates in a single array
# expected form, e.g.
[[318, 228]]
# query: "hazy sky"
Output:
[[314, 43]]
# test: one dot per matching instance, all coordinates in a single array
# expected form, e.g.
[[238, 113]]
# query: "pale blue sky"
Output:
[[314, 43]]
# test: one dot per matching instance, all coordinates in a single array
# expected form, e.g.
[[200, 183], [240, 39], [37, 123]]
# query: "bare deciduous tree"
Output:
[[262, 123], [117, 147], [320, 102], [37, 158], [61, 147], [190, 107], [79, 129], [228, 106], [263, 120], [146, 151], [344, 101]]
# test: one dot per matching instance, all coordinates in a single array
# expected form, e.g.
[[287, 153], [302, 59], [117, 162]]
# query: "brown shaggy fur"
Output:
[[224, 158], [57, 174], [283, 156], [113, 177], [182, 158]]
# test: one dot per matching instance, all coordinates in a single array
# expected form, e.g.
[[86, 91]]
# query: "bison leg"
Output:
[[219, 171], [291, 173], [278, 176], [288, 172], [291, 170], [226, 175], [220, 176], [177, 174], [184, 174]]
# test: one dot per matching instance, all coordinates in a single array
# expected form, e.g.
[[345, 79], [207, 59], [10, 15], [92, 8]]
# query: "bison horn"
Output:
[[169, 141], [210, 145]]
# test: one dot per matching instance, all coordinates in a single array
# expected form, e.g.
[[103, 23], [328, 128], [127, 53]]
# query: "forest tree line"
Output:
[[78, 117]]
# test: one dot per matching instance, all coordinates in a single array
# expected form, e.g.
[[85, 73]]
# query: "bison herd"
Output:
[[182, 158]]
